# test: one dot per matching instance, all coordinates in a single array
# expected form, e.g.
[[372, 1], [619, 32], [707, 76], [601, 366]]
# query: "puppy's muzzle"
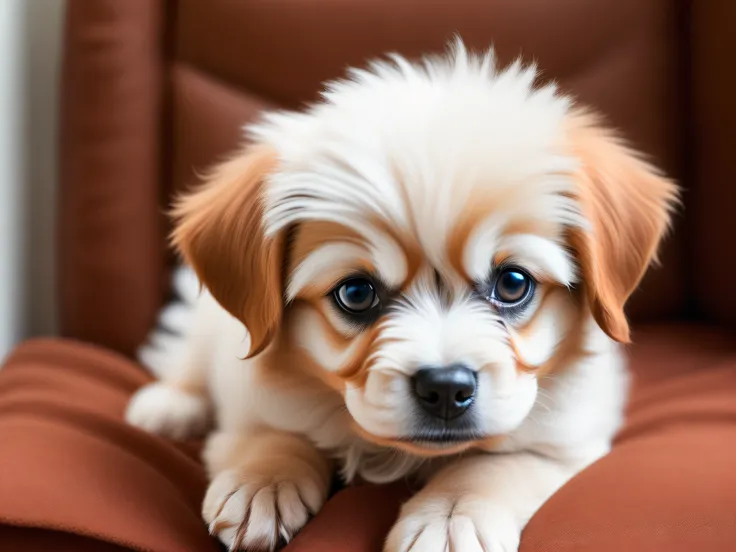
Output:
[[445, 392]]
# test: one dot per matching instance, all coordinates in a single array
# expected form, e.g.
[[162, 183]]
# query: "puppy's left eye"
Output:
[[512, 287], [356, 296]]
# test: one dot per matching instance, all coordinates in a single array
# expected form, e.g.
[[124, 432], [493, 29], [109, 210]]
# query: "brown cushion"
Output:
[[68, 464], [25, 539]]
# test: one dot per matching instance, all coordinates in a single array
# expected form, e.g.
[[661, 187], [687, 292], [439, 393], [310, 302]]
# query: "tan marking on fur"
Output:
[[414, 263], [334, 336], [476, 212], [570, 350], [541, 278], [360, 371], [284, 364], [356, 371], [537, 227], [414, 257], [285, 352], [311, 235], [545, 291], [490, 443], [268, 451], [500, 257], [407, 239], [628, 204], [197, 388], [219, 231]]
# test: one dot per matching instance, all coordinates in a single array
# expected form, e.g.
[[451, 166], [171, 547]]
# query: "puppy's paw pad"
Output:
[[168, 411], [259, 513], [440, 527]]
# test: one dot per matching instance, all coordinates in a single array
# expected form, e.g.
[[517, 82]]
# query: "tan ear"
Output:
[[219, 231], [628, 205]]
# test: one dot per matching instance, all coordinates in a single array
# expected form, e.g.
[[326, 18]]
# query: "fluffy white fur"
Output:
[[416, 148]]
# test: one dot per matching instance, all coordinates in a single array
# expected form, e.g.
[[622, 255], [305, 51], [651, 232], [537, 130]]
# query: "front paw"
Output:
[[441, 523], [258, 512]]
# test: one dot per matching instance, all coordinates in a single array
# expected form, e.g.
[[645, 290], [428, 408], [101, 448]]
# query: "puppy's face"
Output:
[[432, 240], [436, 342]]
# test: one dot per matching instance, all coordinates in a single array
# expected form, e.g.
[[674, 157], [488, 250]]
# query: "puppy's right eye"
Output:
[[356, 296]]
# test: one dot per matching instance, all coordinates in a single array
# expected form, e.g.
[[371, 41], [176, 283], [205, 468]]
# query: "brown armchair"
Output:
[[155, 90]]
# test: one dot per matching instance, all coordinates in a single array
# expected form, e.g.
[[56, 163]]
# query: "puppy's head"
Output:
[[451, 231]]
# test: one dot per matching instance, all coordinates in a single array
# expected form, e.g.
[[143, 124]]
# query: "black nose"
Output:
[[445, 392]]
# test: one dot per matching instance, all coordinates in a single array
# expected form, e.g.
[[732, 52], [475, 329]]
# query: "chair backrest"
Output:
[[157, 90]]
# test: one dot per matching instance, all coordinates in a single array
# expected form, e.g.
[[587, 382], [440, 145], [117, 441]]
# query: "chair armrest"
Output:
[[70, 464]]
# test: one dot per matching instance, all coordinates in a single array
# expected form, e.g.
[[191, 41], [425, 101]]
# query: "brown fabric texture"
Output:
[[111, 231], [21, 539], [68, 462], [73, 468], [714, 197]]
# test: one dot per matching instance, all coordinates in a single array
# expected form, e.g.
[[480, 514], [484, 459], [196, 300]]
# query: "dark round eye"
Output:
[[512, 286], [356, 295]]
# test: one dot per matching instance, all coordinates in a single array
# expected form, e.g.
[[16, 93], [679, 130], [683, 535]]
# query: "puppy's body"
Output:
[[571, 425], [432, 267]]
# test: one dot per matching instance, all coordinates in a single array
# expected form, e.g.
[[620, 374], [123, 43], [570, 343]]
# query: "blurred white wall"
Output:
[[12, 191], [30, 55]]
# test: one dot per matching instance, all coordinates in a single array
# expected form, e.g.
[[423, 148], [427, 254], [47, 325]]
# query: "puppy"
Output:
[[432, 266]]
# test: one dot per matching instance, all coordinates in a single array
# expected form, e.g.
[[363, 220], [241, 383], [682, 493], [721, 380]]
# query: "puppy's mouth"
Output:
[[432, 441], [439, 437], [444, 441]]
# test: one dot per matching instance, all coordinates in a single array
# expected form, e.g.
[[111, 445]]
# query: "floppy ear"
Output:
[[220, 232], [628, 206]]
